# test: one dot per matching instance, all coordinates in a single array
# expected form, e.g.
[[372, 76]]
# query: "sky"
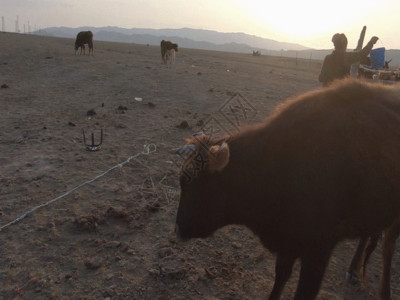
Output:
[[310, 23]]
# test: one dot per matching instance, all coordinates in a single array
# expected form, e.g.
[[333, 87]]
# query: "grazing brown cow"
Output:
[[324, 167], [165, 47], [363, 252], [84, 37]]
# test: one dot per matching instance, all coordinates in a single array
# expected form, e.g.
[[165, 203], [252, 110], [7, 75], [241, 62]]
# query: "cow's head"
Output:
[[202, 207]]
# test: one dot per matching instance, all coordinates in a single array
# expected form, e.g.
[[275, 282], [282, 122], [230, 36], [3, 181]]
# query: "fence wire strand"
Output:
[[148, 149]]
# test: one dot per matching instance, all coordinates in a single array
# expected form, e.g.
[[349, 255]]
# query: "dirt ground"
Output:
[[113, 236]]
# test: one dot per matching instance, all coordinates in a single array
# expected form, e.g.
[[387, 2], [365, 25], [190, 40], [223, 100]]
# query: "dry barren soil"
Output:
[[100, 225]]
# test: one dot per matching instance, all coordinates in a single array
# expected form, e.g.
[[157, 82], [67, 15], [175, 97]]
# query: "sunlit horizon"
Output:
[[308, 23]]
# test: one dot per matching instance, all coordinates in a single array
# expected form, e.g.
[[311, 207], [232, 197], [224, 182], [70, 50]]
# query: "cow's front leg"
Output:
[[313, 265], [283, 270]]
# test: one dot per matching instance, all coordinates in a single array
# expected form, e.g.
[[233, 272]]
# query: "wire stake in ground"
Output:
[[93, 146]]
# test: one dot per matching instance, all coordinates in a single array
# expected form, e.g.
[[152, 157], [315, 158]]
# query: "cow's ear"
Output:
[[219, 157]]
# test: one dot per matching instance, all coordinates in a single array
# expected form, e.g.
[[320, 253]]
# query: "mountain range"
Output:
[[202, 39]]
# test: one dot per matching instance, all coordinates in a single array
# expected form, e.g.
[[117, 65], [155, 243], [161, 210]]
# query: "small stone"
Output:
[[121, 107], [90, 113], [92, 265], [164, 252], [154, 272], [183, 125]]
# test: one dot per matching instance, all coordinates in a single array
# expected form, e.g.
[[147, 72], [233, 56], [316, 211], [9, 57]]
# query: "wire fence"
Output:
[[148, 149]]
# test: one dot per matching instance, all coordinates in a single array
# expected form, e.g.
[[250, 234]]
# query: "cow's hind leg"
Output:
[[389, 246], [373, 242], [313, 265], [283, 270], [355, 265]]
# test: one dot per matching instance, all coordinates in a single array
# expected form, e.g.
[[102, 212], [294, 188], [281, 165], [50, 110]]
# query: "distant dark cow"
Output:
[[324, 167], [165, 47], [84, 37], [363, 252]]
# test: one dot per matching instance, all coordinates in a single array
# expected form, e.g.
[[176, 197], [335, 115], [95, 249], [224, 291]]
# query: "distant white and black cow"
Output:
[[84, 37], [168, 50], [170, 56]]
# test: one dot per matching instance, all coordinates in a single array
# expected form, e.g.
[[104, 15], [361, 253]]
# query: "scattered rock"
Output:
[[49, 57], [121, 107], [88, 223], [112, 244], [197, 274], [183, 125], [151, 105], [154, 272], [211, 272], [236, 245], [51, 227], [5, 86], [200, 123], [164, 252], [92, 265], [116, 213], [68, 277], [71, 124], [153, 207], [172, 267], [90, 113], [124, 247], [199, 73], [131, 252]]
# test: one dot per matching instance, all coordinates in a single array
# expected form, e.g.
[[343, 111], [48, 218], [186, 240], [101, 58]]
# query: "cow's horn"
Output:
[[185, 150]]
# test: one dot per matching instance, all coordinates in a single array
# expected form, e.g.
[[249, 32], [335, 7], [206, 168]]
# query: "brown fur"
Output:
[[84, 37], [324, 167]]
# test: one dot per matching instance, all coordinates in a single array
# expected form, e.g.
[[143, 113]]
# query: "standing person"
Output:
[[337, 64]]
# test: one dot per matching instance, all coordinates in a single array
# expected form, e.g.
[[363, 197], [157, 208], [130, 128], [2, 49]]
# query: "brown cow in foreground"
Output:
[[166, 47], [324, 167], [84, 37]]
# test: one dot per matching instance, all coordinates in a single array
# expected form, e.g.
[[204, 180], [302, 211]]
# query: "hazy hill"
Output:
[[203, 39], [186, 36]]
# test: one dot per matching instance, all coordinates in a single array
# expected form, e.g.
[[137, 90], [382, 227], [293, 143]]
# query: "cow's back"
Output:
[[329, 160]]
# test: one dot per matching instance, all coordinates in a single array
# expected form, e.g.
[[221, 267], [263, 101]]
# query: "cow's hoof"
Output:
[[351, 278]]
